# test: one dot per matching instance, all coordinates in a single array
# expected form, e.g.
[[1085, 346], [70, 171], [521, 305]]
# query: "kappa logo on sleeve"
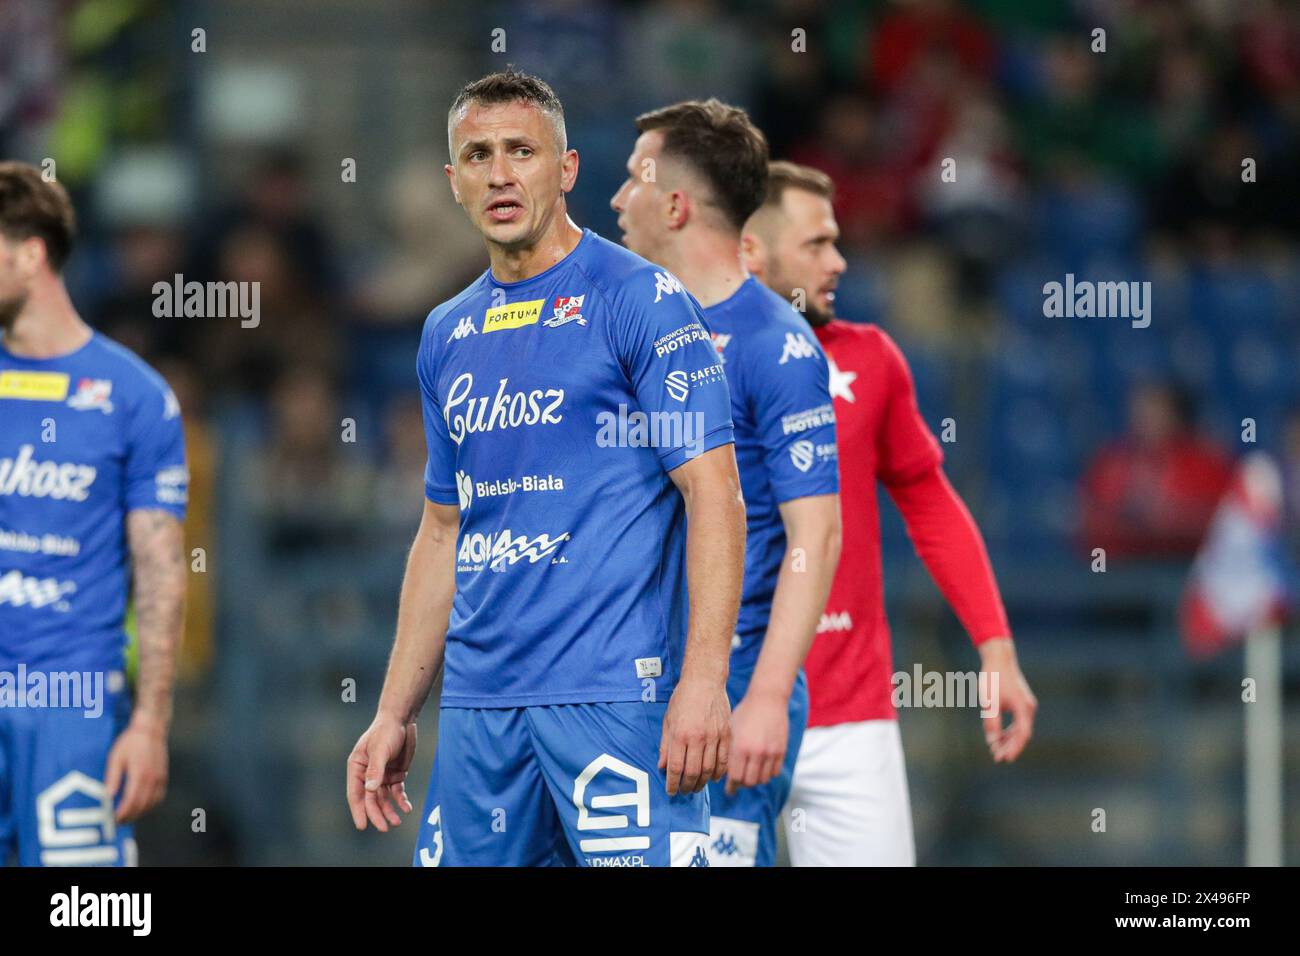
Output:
[[666, 284], [464, 328], [34, 386], [797, 346], [512, 316]]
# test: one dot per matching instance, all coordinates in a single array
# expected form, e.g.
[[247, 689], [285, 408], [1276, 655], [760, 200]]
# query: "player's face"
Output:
[[13, 283], [508, 171], [639, 202], [803, 254]]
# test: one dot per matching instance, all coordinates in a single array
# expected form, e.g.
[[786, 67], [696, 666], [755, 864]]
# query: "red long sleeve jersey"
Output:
[[882, 437]]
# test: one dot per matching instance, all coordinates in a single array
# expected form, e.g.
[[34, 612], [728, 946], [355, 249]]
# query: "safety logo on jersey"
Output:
[[91, 394], [513, 315], [568, 308], [797, 346]]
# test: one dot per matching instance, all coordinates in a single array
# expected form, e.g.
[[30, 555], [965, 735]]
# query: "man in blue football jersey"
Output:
[[93, 488], [697, 172], [581, 481]]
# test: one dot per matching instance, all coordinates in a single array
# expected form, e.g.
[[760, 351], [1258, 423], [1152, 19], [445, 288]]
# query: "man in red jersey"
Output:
[[849, 803]]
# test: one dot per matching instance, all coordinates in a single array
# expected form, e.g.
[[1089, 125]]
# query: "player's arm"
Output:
[[812, 530], [803, 472], [138, 758], [379, 762], [697, 728], [950, 545]]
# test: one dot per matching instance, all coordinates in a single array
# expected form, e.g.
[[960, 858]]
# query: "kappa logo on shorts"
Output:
[[637, 798]]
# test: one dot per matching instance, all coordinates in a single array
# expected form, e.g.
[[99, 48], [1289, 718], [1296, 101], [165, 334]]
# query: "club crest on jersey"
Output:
[[720, 342], [568, 308], [514, 315], [91, 394]]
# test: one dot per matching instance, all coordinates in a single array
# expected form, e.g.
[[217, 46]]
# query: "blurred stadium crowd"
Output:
[[1122, 162]]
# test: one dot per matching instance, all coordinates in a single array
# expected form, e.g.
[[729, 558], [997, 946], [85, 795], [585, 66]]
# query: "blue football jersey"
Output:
[[84, 439], [785, 435], [554, 410]]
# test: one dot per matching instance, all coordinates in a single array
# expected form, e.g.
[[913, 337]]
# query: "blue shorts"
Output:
[[54, 810], [557, 785], [742, 829]]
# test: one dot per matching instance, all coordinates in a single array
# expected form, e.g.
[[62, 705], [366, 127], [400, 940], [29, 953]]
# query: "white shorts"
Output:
[[849, 803]]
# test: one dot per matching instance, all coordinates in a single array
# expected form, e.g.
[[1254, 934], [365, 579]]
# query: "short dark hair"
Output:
[[783, 174], [511, 86], [31, 207], [722, 144]]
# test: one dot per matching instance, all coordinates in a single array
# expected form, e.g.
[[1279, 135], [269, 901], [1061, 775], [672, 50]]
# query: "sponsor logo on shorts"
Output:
[[82, 832], [637, 800], [513, 315]]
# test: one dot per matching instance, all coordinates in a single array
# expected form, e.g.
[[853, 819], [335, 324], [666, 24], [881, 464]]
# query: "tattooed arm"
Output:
[[140, 753]]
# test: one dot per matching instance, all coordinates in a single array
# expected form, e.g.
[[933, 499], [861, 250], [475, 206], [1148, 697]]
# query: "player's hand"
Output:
[[696, 740], [760, 729], [998, 661], [138, 756], [377, 770]]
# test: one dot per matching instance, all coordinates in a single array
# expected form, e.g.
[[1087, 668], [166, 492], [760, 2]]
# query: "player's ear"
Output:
[[450, 170], [679, 208], [753, 253], [568, 170]]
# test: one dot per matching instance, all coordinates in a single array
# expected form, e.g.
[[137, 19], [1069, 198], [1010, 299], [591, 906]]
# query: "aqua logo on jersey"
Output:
[[512, 316]]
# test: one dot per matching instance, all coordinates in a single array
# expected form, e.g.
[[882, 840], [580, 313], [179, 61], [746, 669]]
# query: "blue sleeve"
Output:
[[787, 382], [440, 470], [156, 473], [677, 376]]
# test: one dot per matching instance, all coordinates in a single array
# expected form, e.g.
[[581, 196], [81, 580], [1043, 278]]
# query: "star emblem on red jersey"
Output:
[[841, 382]]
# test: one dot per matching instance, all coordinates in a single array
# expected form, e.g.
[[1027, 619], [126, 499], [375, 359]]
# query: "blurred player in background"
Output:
[[697, 172], [850, 782], [563, 610], [93, 489]]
